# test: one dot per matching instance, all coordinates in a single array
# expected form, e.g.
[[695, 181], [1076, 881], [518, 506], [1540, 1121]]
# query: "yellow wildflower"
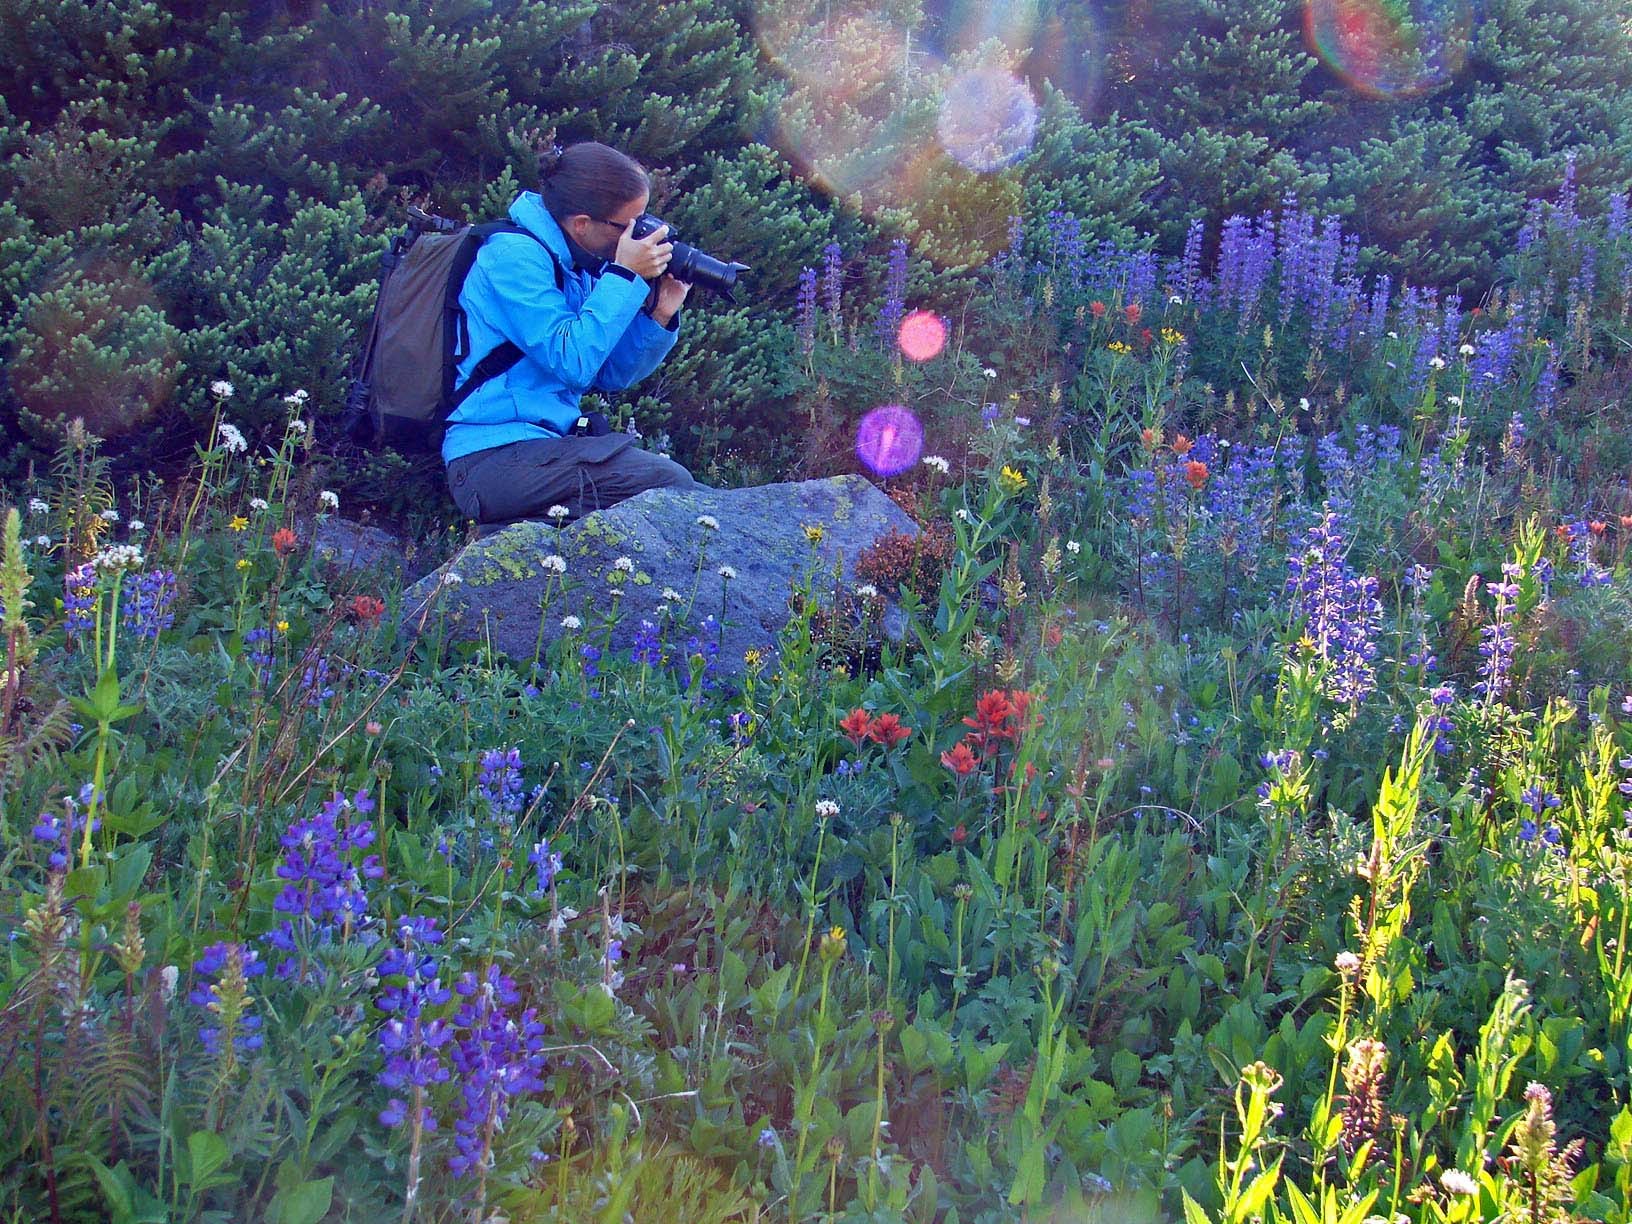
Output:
[[283, 626], [753, 656], [239, 522], [1120, 346], [243, 563], [1172, 335], [1011, 481], [833, 944], [814, 532]]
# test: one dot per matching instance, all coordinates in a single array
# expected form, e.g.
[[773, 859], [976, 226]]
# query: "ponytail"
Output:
[[589, 177]]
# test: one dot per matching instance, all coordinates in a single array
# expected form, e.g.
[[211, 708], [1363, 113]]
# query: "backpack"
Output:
[[402, 389]]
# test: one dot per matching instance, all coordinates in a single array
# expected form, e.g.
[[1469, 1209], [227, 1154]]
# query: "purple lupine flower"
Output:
[[498, 1055], [314, 679], [258, 653], [1376, 322], [805, 316], [1497, 643], [225, 969], [1588, 573], [323, 878], [63, 832], [833, 282], [1497, 350], [895, 295], [1280, 765], [1017, 233], [1340, 609], [411, 1044], [147, 607], [705, 645], [591, 655], [1539, 799], [647, 647], [500, 781], [1546, 393], [1190, 274], [547, 864], [1439, 720], [79, 600]]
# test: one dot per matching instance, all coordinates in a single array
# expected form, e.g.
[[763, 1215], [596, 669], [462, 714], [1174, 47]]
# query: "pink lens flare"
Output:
[[889, 439], [922, 335]]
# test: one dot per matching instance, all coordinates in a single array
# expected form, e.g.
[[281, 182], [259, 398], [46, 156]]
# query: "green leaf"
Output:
[[1193, 1214], [306, 1203], [207, 1152]]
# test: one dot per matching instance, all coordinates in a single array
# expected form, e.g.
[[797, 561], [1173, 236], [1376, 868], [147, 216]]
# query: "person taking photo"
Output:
[[606, 321]]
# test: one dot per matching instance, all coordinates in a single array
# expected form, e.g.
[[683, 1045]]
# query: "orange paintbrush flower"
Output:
[[960, 759], [888, 730], [856, 725]]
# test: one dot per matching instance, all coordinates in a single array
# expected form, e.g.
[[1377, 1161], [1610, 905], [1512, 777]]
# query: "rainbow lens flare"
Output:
[[1390, 48], [988, 119]]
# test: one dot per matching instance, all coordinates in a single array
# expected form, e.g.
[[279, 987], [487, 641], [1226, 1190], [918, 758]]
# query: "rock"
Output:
[[346, 545], [495, 587]]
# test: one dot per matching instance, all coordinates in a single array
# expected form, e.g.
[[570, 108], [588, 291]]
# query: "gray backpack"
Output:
[[402, 390]]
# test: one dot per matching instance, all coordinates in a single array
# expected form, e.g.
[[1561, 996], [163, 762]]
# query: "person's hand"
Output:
[[670, 294], [648, 257]]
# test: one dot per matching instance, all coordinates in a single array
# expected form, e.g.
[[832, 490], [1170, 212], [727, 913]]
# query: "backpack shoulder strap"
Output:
[[506, 355]]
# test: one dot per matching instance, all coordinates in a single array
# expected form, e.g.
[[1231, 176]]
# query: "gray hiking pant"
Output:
[[505, 484]]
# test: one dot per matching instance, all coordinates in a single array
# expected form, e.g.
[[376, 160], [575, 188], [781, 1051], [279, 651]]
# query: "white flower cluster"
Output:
[[221, 389], [118, 557], [1072, 547], [557, 512], [36, 506], [571, 624], [137, 525], [938, 464], [298, 426], [624, 565], [1436, 363], [1454, 1181], [726, 572], [110, 515], [555, 563], [866, 591], [826, 809], [1466, 350], [329, 499], [296, 399], [257, 503], [708, 521], [670, 595], [232, 438]]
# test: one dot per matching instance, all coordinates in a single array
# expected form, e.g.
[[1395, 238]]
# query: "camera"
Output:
[[691, 265]]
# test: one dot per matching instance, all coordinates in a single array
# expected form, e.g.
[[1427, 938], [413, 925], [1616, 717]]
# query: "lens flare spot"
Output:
[[1390, 48], [889, 439], [922, 335], [988, 118]]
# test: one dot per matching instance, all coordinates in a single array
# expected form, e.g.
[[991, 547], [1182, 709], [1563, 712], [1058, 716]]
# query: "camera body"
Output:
[[690, 265]]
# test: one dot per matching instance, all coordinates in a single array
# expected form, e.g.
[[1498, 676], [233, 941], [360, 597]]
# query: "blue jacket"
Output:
[[590, 334]]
